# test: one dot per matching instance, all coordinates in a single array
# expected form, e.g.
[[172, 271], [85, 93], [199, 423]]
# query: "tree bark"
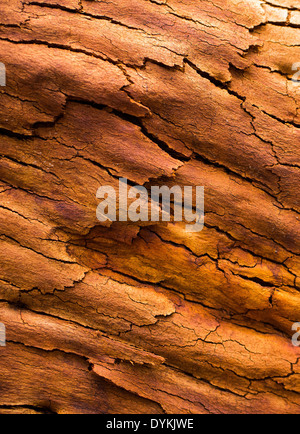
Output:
[[145, 317]]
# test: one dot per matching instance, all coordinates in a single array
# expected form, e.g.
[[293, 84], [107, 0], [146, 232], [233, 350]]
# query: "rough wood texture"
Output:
[[148, 318]]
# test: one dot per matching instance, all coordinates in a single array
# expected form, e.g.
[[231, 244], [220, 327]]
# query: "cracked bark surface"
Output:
[[146, 318]]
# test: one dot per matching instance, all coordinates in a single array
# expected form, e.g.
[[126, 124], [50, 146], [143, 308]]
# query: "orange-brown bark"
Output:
[[138, 317]]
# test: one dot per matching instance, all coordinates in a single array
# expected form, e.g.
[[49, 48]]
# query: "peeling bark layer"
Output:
[[147, 318]]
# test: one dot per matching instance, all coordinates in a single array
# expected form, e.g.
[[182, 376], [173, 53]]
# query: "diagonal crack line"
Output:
[[37, 252], [37, 409], [90, 53], [80, 12]]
